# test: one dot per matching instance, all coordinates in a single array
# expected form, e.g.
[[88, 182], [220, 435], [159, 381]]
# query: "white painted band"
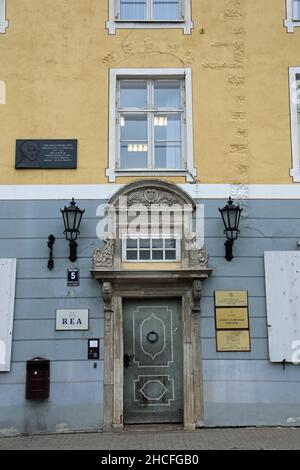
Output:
[[105, 191]]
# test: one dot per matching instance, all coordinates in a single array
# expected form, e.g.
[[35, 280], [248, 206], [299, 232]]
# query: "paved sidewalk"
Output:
[[203, 439]]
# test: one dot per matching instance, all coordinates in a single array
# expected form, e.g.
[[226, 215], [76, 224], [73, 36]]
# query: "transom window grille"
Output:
[[150, 10], [151, 121], [151, 249]]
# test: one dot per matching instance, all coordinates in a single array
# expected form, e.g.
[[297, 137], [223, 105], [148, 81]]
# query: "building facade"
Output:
[[150, 114]]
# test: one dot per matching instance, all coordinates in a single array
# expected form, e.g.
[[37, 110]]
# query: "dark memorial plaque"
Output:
[[52, 154]]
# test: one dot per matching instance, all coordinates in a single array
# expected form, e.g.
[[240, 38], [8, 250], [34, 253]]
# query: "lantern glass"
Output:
[[72, 216], [231, 214]]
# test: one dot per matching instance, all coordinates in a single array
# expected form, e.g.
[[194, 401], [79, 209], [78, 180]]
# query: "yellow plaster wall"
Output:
[[55, 59]]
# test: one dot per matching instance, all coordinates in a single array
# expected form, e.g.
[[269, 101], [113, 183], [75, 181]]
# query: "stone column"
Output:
[[108, 356], [192, 372], [118, 363]]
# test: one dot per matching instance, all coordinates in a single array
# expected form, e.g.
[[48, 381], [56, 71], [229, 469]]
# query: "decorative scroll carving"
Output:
[[150, 196], [203, 257], [103, 257], [107, 293], [199, 257], [196, 295]]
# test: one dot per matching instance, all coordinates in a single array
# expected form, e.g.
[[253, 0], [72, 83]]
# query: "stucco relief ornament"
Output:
[[153, 196], [103, 257]]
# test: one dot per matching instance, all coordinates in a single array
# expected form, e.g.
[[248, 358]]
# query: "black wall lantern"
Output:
[[72, 216], [51, 241], [231, 215]]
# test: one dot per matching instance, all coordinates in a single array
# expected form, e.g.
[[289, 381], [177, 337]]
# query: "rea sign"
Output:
[[72, 319]]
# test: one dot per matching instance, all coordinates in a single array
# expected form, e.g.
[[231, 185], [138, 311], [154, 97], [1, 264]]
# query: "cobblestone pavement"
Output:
[[204, 439]]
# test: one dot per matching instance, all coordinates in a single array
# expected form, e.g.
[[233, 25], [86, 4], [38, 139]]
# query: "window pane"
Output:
[[131, 243], [134, 155], [132, 255], [157, 243], [167, 127], [170, 243], [144, 243], [134, 128], [167, 94], [164, 10], [133, 94], [170, 254], [168, 155], [296, 10], [157, 255], [144, 254], [133, 10], [297, 97]]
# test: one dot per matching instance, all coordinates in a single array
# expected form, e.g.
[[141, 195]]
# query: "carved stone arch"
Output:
[[149, 192]]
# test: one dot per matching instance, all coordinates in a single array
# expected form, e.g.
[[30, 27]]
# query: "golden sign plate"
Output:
[[232, 318], [231, 298], [233, 340]]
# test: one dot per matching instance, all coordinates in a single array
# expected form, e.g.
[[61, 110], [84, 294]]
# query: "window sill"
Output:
[[175, 266], [185, 25], [3, 26], [291, 24], [295, 174], [112, 174], [145, 22]]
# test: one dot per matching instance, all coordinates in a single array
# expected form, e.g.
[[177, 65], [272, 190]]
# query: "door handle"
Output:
[[128, 360]]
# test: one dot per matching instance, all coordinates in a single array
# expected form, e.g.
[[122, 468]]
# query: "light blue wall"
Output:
[[239, 388], [76, 389], [245, 388]]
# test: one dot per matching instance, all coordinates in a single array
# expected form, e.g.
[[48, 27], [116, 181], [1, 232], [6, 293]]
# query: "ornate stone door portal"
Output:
[[124, 286]]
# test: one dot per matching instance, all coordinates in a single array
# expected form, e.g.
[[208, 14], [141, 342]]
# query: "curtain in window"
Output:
[[296, 10], [133, 10], [166, 10]]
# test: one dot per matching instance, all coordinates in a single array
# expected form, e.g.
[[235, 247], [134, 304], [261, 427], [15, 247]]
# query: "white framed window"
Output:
[[3, 20], [150, 123], [292, 15], [155, 249], [127, 14], [294, 76]]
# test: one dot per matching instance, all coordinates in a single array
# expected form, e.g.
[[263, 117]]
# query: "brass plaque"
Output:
[[232, 318], [233, 340], [231, 298]]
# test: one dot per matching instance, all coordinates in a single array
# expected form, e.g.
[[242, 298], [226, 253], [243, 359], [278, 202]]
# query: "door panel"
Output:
[[152, 361]]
